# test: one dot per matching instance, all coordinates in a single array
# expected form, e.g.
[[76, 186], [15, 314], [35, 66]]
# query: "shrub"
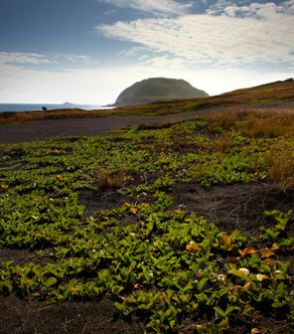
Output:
[[224, 141], [255, 123], [280, 163], [108, 179]]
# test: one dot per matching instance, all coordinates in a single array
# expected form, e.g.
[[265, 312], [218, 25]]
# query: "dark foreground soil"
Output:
[[29, 317], [234, 206]]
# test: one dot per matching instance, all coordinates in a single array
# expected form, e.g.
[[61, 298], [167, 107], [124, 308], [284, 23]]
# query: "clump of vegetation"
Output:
[[256, 123], [106, 179], [224, 141], [154, 256], [280, 161]]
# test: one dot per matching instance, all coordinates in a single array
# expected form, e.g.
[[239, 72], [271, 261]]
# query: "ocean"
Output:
[[10, 107]]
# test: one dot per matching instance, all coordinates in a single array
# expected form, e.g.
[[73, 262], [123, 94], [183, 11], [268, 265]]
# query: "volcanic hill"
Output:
[[158, 89]]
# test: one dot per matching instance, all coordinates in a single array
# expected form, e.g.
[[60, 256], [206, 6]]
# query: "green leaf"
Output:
[[50, 281], [202, 283], [219, 311], [149, 227]]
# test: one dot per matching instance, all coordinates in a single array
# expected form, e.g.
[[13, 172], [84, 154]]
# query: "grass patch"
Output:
[[256, 123], [280, 161]]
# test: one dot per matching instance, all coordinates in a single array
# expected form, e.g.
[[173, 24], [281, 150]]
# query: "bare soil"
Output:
[[235, 206], [29, 317]]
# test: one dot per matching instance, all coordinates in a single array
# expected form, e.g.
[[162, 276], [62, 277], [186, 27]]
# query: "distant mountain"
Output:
[[69, 105], [158, 89]]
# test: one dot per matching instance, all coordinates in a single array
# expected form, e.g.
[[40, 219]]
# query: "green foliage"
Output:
[[167, 266]]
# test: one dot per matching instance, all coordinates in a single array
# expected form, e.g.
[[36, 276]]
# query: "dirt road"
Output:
[[28, 131]]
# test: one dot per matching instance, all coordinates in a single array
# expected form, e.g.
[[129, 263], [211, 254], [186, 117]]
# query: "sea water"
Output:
[[10, 107]]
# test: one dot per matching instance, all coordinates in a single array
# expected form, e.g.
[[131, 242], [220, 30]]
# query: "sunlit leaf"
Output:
[[270, 261], [227, 240], [248, 286], [261, 277], [192, 247], [247, 251], [133, 210], [275, 246], [241, 272], [266, 252]]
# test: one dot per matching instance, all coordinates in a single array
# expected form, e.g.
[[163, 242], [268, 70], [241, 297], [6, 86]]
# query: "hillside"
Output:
[[158, 89], [277, 94]]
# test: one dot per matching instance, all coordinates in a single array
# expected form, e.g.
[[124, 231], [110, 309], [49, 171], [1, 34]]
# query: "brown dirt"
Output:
[[29, 317], [234, 206], [19, 256]]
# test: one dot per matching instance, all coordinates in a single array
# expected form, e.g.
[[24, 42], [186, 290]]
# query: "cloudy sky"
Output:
[[88, 51]]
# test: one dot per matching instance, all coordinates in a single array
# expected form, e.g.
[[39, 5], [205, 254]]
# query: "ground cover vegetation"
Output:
[[185, 228]]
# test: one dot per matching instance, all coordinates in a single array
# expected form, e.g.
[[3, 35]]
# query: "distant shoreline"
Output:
[[24, 107]]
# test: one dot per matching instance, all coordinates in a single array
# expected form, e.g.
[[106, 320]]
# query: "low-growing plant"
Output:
[[134, 243]]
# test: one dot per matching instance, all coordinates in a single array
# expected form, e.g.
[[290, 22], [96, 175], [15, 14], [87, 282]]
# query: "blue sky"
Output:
[[88, 51]]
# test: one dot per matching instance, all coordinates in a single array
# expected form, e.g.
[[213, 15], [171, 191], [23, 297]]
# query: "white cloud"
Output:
[[266, 35], [23, 58], [73, 58], [252, 9], [241, 46], [102, 85], [214, 80], [163, 7], [248, 8]]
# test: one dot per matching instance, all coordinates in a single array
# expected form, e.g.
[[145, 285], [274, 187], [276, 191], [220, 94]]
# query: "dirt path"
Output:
[[28, 131]]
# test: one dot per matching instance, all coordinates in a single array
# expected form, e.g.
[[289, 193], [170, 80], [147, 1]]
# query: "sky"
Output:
[[87, 52]]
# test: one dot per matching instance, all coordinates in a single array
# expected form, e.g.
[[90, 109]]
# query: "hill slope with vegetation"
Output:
[[274, 94], [180, 228], [158, 89]]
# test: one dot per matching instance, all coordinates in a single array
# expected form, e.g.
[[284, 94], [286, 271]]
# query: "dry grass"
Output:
[[255, 123], [224, 141], [277, 124], [280, 163], [106, 179], [270, 124]]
